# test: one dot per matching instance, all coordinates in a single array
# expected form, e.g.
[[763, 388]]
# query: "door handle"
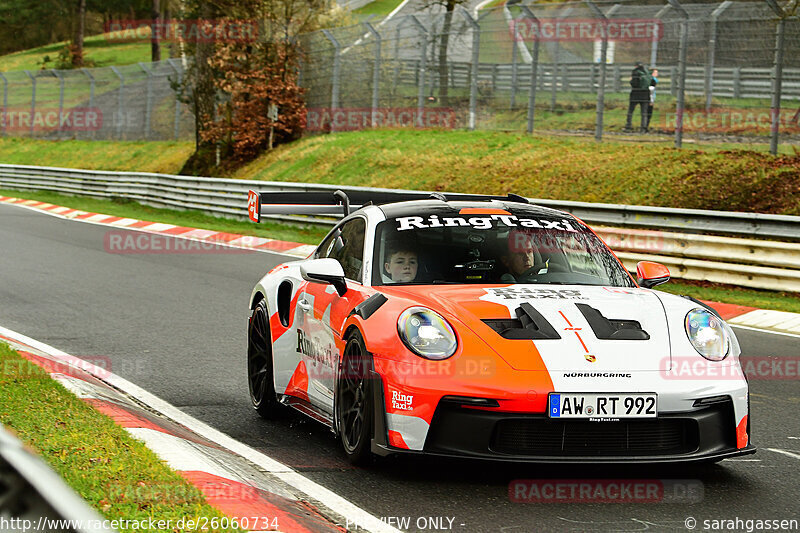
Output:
[[304, 305]]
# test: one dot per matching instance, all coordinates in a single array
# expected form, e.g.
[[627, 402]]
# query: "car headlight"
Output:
[[426, 333], [707, 334]]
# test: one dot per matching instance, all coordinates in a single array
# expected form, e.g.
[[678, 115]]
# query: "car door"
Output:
[[318, 302]]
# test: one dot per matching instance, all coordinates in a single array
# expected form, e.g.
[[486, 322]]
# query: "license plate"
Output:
[[589, 405]]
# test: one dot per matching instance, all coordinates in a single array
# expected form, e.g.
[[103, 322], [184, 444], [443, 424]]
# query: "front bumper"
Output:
[[704, 434]]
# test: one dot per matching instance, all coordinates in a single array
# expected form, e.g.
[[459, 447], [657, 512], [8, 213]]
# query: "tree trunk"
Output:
[[443, 43], [155, 47], [77, 41], [204, 87]]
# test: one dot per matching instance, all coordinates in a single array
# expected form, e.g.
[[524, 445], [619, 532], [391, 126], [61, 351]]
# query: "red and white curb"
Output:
[[236, 479], [233, 240], [736, 315]]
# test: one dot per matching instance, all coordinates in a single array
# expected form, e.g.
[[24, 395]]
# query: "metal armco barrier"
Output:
[[690, 252], [33, 497]]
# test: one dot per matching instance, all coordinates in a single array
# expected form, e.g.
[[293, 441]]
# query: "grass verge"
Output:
[[166, 157], [115, 473], [193, 219]]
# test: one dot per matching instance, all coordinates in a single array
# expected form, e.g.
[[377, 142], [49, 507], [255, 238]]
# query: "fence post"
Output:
[[777, 77], [33, 98], [116, 71], [680, 105], [737, 82], [656, 35], [515, 41], [337, 50], [712, 50], [423, 58], [90, 76], [148, 103], [601, 90], [474, 64], [179, 74], [5, 102], [60, 99], [376, 73], [556, 62], [534, 68]]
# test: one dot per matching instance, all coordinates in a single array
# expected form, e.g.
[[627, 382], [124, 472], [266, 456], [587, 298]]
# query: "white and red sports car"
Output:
[[487, 327]]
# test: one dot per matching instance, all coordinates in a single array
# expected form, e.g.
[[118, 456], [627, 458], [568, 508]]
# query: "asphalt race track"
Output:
[[175, 324]]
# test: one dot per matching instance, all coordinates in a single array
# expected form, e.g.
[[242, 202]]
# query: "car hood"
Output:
[[577, 347]]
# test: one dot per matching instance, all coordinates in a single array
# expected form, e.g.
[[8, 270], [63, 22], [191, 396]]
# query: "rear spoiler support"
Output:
[[327, 203]]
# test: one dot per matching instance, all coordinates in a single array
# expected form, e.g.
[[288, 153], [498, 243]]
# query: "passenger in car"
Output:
[[401, 263]]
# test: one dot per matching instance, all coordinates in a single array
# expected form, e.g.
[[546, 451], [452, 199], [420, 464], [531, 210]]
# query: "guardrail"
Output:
[[637, 232], [33, 496]]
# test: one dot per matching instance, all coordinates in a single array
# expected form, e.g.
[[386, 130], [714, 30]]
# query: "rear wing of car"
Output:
[[338, 202]]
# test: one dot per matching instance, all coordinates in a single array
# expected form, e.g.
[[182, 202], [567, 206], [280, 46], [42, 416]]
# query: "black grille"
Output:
[[546, 437]]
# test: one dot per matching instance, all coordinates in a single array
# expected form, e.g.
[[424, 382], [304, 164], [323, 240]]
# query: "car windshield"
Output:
[[494, 246]]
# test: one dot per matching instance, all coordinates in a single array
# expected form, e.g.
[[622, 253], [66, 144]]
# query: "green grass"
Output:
[[98, 49], [115, 473], [379, 8], [778, 301], [565, 168], [142, 156], [188, 218]]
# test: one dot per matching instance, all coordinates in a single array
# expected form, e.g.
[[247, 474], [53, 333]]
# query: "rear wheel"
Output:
[[354, 406], [259, 363]]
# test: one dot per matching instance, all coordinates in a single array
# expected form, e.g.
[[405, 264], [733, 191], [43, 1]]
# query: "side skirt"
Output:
[[307, 409]]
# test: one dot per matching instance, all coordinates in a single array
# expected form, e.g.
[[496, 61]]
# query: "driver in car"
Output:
[[522, 258]]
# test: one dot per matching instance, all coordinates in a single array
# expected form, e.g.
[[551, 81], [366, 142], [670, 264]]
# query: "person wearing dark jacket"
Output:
[[640, 95]]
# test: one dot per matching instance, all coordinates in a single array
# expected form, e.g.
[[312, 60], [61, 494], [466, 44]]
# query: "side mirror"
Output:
[[326, 270], [650, 274]]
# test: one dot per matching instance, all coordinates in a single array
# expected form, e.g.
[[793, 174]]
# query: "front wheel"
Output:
[[259, 363], [354, 406]]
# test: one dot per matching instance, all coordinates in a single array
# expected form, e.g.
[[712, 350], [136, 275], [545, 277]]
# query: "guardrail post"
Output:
[[534, 67], [712, 50], [337, 51], [90, 76], [148, 103], [376, 74], [116, 71], [601, 90], [33, 98], [60, 98], [737, 82], [5, 102], [680, 105], [777, 77], [179, 74], [475, 63]]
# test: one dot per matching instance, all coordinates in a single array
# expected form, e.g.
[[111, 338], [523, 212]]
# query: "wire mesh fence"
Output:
[[133, 102], [726, 71], [567, 67]]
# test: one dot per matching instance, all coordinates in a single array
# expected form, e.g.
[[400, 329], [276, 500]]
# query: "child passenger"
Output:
[[401, 263]]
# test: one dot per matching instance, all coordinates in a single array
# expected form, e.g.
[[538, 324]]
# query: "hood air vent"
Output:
[[612, 328], [529, 325]]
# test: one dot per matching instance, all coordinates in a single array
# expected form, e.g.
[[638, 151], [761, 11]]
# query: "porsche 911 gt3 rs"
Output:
[[487, 327]]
